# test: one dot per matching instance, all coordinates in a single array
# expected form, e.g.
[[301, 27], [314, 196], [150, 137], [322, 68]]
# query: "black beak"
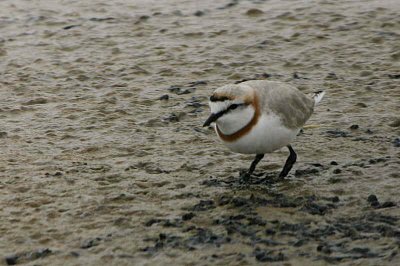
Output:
[[212, 118]]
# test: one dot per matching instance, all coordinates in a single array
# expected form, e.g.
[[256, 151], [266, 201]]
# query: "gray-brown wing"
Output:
[[286, 101]]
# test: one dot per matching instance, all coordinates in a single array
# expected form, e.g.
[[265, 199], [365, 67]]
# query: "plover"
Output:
[[259, 117]]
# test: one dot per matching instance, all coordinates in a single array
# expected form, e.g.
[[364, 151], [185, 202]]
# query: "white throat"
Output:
[[235, 120]]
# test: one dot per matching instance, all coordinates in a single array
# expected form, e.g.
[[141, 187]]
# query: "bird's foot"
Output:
[[282, 175], [244, 177]]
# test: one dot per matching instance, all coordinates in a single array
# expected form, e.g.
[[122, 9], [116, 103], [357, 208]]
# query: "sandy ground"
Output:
[[95, 169]]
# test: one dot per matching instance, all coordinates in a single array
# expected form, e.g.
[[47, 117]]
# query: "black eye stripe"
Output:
[[234, 106]]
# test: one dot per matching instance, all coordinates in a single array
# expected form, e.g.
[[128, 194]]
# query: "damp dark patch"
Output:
[[163, 240], [198, 83], [394, 76], [163, 222], [202, 236], [102, 19], [188, 216], [179, 90], [332, 238], [315, 208], [310, 204], [25, 257], [268, 255], [198, 237], [186, 89], [196, 104], [306, 171], [203, 205], [363, 163], [95, 241], [173, 117], [92, 242], [337, 133], [257, 179], [234, 217], [219, 182]]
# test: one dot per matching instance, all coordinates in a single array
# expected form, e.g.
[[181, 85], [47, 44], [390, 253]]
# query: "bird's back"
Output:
[[291, 105]]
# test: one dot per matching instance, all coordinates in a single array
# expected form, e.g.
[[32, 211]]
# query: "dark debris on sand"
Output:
[[268, 238], [234, 217]]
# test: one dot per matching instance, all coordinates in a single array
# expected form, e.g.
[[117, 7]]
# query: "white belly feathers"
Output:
[[268, 135]]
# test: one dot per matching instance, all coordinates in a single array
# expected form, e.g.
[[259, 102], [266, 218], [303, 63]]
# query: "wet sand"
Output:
[[104, 160]]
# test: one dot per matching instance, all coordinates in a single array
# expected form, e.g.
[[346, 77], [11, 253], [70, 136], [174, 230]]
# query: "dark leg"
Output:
[[255, 162], [289, 163], [246, 176]]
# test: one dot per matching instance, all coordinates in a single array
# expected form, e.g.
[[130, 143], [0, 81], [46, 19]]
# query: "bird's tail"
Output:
[[318, 96]]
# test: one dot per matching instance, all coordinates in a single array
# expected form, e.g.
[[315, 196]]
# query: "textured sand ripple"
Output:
[[104, 160]]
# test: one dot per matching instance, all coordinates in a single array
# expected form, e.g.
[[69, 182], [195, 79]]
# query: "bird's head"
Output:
[[231, 106]]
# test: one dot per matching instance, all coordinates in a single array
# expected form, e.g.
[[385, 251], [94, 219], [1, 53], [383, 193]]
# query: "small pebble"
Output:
[[335, 199], [396, 142], [395, 123], [74, 254], [162, 236], [270, 232], [363, 105], [88, 243], [262, 76], [331, 76], [199, 13], [373, 200], [188, 216], [254, 12], [11, 260], [337, 171], [354, 127], [164, 97]]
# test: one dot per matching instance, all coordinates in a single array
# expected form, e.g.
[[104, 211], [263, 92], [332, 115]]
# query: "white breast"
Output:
[[268, 135]]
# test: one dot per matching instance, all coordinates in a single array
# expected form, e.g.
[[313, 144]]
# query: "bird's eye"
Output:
[[233, 106]]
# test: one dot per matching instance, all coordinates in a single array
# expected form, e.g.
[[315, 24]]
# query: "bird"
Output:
[[260, 117]]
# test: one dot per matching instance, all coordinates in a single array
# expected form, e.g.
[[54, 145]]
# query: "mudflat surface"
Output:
[[96, 169]]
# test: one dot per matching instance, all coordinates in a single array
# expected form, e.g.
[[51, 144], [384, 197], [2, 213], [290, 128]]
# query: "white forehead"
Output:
[[219, 106]]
